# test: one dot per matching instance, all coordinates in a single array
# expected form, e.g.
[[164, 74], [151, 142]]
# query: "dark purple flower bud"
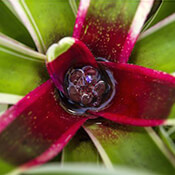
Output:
[[87, 88], [74, 94], [75, 76], [99, 88]]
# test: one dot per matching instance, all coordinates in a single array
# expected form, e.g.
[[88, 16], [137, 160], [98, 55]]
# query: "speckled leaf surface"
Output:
[[12, 27], [81, 150], [110, 28], [144, 97], [121, 145], [34, 131], [156, 47], [47, 20], [22, 69], [128, 146]]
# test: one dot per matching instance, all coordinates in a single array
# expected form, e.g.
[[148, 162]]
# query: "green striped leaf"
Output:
[[130, 146], [166, 8], [21, 69], [12, 27], [54, 169], [155, 47], [167, 133], [47, 20]]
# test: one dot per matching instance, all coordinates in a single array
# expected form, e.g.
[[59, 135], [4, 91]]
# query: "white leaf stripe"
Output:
[[11, 45], [9, 98], [158, 26], [27, 19], [161, 145]]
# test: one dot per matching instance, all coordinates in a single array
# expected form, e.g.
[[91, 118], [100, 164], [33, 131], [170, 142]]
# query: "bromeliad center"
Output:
[[83, 82], [85, 86]]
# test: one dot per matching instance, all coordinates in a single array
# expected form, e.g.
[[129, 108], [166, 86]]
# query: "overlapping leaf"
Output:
[[80, 150], [47, 21], [155, 47], [54, 169], [12, 27], [130, 146], [123, 145], [166, 8], [22, 69], [168, 135], [34, 131]]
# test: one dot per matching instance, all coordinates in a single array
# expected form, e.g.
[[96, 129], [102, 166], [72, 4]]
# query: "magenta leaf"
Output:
[[36, 128], [110, 28], [144, 97], [69, 52]]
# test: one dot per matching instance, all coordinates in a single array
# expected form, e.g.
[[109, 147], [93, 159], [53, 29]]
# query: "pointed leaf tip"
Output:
[[62, 46], [68, 53]]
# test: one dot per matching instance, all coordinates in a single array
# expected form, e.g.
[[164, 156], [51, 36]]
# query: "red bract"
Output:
[[44, 126], [143, 97], [76, 53], [108, 30]]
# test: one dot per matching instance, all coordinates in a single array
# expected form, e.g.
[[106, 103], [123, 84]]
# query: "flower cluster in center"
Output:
[[85, 86]]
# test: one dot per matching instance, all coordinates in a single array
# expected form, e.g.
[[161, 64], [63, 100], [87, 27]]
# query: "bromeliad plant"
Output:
[[89, 77]]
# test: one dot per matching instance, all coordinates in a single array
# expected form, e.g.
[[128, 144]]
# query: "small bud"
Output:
[[75, 76], [74, 94], [87, 87], [91, 74], [86, 99], [99, 88]]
